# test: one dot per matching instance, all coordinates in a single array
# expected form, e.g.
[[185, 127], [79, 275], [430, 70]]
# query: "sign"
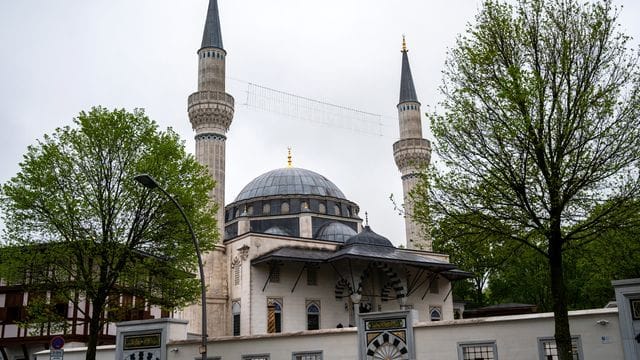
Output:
[[56, 354], [141, 341], [57, 342]]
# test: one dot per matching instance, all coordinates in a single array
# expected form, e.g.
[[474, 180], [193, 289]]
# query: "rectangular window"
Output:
[[14, 311], [312, 355], [236, 324], [256, 357], [548, 350], [482, 350], [274, 274], [274, 315], [635, 308]]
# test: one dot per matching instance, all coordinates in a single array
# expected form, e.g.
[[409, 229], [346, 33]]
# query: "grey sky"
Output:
[[61, 57]]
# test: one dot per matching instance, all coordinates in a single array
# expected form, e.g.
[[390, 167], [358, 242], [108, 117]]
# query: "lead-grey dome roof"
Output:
[[335, 231], [290, 181], [369, 237]]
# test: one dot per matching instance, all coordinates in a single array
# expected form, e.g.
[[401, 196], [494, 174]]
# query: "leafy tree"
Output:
[[539, 126], [79, 226], [474, 251]]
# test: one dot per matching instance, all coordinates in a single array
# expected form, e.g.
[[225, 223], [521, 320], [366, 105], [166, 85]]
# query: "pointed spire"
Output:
[[289, 161], [407, 89], [212, 36]]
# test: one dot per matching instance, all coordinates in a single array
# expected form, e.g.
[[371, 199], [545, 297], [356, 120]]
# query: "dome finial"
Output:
[[366, 218], [289, 162], [404, 44]]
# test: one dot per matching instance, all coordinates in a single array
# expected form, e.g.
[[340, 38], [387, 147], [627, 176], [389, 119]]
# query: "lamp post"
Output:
[[150, 183]]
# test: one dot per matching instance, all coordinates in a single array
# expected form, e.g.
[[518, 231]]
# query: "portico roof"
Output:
[[359, 252]]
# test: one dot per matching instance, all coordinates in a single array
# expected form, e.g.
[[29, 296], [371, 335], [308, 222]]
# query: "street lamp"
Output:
[[150, 183]]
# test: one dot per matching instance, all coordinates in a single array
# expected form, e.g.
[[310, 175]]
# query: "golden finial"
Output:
[[404, 44], [289, 162]]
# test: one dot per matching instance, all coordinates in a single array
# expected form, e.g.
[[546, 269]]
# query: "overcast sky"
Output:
[[60, 57]]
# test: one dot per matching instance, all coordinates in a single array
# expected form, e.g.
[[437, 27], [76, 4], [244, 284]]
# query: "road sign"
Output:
[[56, 354], [57, 342]]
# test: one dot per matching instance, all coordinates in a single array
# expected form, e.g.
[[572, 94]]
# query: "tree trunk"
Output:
[[558, 292], [95, 325]]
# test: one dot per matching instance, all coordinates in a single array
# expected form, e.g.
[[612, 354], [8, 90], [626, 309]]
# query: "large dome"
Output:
[[289, 181]]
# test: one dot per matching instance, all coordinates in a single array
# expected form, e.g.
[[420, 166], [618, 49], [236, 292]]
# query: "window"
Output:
[[304, 206], [312, 355], [478, 351], [313, 315], [548, 350], [336, 210], [266, 209], [284, 208], [250, 210], [256, 357], [435, 313], [13, 311], [274, 273], [312, 275], [322, 208], [274, 315], [235, 311], [635, 308]]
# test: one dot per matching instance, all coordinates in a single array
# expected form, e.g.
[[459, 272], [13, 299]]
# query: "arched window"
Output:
[[336, 210], [235, 311], [250, 210], [274, 315], [266, 209], [435, 314], [304, 206], [284, 208], [313, 316], [322, 209]]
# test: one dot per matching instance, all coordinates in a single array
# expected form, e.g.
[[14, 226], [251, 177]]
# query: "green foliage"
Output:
[[539, 131], [77, 222]]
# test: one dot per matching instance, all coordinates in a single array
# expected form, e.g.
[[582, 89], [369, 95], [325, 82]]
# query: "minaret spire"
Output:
[[212, 37], [412, 153]]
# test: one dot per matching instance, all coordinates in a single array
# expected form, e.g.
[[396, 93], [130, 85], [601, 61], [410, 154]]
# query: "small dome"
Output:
[[277, 230], [335, 231], [289, 181], [368, 237]]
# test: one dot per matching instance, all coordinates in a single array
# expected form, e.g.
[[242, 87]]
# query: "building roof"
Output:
[[407, 89], [354, 252], [335, 231], [212, 37], [289, 181], [369, 237]]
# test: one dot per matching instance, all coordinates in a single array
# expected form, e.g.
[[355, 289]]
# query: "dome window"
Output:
[[250, 210], [322, 208], [266, 209], [304, 206], [336, 210], [284, 208]]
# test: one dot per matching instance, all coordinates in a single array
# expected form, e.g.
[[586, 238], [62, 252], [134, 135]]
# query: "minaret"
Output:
[[210, 112], [412, 152]]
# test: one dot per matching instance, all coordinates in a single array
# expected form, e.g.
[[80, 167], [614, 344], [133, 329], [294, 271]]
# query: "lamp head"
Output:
[[146, 180]]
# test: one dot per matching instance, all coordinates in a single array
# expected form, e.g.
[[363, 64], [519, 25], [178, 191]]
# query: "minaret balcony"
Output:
[[205, 97], [412, 153]]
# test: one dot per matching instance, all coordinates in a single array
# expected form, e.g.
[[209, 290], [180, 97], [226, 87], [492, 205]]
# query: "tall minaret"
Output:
[[210, 112], [412, 153]]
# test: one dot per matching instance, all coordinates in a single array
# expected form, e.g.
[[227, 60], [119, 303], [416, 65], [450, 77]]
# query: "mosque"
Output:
[[295, 254], [299, 274]]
